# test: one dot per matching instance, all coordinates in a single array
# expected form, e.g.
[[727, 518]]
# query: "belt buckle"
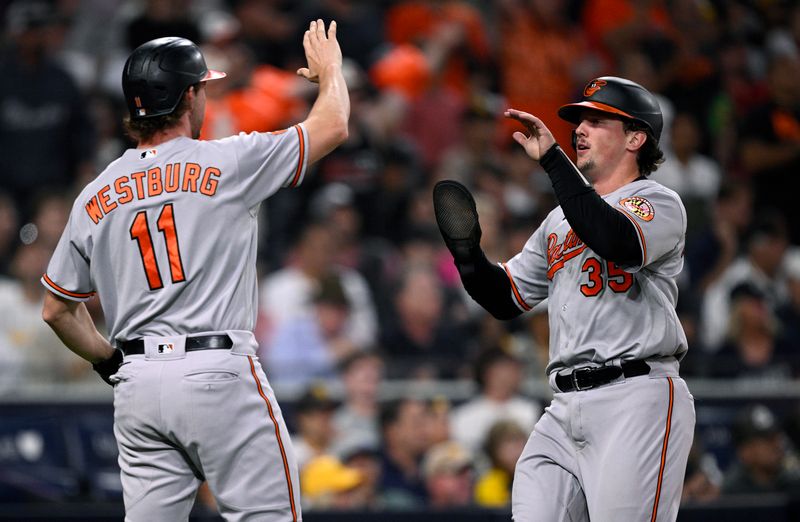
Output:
[[574, 378]]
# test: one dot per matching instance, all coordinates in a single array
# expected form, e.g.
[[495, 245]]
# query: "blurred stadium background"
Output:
[[408, 402]]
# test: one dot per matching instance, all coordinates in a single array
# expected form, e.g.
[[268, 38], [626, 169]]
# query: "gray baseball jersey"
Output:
[[599, 311], [167, 238], [600, 314]]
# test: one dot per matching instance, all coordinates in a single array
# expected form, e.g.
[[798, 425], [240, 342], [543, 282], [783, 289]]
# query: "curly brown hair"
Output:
[[144, 130], [649, 156]]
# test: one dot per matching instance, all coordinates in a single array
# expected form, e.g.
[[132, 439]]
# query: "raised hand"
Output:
[[540, 138], [322, 50]]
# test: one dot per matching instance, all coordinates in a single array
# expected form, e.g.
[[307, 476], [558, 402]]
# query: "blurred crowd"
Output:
[[356, 286]]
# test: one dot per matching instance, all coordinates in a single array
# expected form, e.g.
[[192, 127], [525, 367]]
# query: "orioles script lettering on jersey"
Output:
[[559, 253], [173, 177]]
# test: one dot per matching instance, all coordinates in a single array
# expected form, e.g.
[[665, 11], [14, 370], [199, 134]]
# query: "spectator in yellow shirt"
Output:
[[504, 445]]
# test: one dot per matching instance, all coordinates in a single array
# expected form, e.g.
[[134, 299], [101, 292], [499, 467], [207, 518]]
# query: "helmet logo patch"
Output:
[[639, 207], [593, 87]]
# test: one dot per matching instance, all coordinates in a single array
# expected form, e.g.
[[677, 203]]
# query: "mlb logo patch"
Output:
[[166, 348], [148, 153]]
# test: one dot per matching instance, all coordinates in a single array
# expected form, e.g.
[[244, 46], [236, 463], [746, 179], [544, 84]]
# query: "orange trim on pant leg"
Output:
[[278, 435], [664, 450]]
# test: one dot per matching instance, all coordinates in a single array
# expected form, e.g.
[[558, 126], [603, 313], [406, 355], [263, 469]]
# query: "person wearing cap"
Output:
[[447, 470], [761, 464], [614, 442], [314, 423], [754, 346], [327, 483]]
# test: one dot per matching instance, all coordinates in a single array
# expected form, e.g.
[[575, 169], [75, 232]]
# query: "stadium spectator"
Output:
[[269, 27], [499, 376], [356, 419], [288, 292], [714, 249], [46, 136], [327, 484], [449, 475], [310, 347], [404, 442], [421, 340], [694, 176], [31, 350], [541, 82], [314, 425], [762, 464], [503, 446], [366, 459], [754, 346], [703, 476], [762, 266], [160, 18], [358, 33], [770, 142]]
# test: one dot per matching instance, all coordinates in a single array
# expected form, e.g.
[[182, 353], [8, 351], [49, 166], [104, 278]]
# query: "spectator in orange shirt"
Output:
[[252, 97], [541, 55], [458, 23], [616, 26]]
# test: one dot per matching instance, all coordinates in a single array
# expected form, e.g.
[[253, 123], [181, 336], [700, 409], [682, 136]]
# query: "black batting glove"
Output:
[[109, 367]]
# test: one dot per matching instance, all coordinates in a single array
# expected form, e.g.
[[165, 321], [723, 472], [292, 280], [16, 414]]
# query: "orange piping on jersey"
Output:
[[664, 450], [77, 295], [560, 264], [525, 306], [278, 435], [302, 144], [641, 235]]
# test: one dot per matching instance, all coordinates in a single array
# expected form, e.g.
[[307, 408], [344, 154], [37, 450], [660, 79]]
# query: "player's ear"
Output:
[[636, 139]]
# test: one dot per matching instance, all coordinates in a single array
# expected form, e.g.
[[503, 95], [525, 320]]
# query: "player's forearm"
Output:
[[327, 122], [74, 326], [488, 285], [601, 227]]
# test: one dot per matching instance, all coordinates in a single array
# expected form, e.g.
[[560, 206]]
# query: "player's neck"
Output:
[[181, 129], [614, 181]]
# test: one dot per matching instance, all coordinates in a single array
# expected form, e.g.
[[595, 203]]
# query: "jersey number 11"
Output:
[[140, 231]]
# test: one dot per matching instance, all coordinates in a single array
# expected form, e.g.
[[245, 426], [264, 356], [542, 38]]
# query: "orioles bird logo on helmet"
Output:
[[593, 87]]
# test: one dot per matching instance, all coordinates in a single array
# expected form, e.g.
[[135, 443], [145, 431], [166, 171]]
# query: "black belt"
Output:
[[198, 342], [588, 378]]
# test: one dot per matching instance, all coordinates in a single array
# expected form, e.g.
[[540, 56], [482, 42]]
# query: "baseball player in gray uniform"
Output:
[[166, 236], [613, 444]]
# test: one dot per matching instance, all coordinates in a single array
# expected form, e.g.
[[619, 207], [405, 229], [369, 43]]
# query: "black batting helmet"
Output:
[[158, 72], [617, 96]]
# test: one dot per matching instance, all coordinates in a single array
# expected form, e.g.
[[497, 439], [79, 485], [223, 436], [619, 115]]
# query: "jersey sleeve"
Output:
[[268, 161], [68, 271], [527, 272], [660, 221]]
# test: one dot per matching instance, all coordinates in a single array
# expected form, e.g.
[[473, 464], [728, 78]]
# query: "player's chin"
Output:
[[585, 165]]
